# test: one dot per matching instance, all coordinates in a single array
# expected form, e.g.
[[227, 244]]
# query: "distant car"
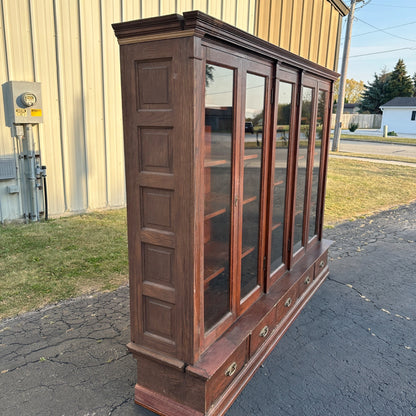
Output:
[[249, 127]]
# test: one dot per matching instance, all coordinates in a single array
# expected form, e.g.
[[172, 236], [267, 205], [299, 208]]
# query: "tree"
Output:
[[414, 84], [353, 90], [375, 93], [400, 84]]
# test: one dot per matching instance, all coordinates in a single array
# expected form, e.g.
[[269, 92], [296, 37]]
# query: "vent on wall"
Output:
[[7, 168]]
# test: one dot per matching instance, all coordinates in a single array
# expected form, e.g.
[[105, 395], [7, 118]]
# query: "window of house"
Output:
[[413, 115]]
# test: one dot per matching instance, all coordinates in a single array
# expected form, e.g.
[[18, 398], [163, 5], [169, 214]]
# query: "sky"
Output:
[[383, 31]]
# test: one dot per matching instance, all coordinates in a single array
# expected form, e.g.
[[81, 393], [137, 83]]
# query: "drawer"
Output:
[[227, 372], [287, 302], [320, 264], [262, 331], [305, 281]]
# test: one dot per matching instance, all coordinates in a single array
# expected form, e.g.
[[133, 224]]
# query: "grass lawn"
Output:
[[388, 139], [45, 262]]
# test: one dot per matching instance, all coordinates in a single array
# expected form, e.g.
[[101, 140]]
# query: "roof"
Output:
[[401, 102]]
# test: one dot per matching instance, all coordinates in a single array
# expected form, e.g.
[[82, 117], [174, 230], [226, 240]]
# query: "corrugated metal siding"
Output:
[[69, 46], [308, 28]]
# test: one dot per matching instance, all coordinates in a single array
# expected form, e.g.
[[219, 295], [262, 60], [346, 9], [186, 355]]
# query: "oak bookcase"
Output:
[[226, 142]]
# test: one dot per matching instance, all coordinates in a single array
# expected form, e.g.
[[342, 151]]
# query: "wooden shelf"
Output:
[[215, 204], [247, 250], [215, 257], [210, 162], [276, 226], [248, 200], [249, 157]]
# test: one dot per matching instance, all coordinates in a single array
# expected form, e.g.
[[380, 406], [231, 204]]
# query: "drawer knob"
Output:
[[288, 302], [264, 332], [231, 369], [321, 264], [307, 280]]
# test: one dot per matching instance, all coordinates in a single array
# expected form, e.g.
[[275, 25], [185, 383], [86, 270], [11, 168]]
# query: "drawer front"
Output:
[[286, 303], [305, 281], [321, 263], [262, 331], [227, 372]]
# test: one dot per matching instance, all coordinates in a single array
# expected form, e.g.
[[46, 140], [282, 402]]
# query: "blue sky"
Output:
[[383, 32]]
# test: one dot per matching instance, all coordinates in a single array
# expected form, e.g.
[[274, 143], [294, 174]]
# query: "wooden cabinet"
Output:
[[226, 142]]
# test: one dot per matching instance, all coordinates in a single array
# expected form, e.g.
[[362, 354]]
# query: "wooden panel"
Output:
[[158, 263], [155, 150], [153, 84], [321, 264], [262, 331], [156, 209], [227, 372], [159, 319]]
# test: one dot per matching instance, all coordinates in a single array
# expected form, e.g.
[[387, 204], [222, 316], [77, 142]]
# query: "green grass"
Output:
[[392, 158], [42, 263], [356, 188], [390, 139]]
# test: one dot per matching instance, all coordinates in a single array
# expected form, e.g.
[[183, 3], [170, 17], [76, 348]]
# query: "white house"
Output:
[[399, 114]]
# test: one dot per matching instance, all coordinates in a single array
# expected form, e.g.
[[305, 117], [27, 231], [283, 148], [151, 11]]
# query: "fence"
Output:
[[364, 121]]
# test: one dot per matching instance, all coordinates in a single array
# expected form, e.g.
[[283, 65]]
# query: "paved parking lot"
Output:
[[352, 351]]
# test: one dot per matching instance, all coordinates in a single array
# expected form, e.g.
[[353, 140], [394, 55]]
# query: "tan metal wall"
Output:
[[69, 46], [309, 28]]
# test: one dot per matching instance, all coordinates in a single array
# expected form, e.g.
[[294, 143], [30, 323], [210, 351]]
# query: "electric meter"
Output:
[[22, 102], [28, 99]]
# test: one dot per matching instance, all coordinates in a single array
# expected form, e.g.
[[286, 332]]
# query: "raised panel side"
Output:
[[153, 89], [155, 146]]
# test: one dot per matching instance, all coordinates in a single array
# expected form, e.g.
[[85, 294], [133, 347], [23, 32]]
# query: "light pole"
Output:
[[341, 95]]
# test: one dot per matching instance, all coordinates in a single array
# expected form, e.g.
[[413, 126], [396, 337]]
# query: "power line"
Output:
[[384, 31], [386, 28], [379, 52], [396, 7]]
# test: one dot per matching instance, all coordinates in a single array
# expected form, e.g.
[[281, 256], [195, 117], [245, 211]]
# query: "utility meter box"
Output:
[[22, 102]]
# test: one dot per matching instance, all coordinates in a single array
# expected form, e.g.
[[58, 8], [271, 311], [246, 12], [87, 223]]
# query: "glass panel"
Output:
[[304, 137], [253, 145], [217, 188], [320, 128], [280, 171]]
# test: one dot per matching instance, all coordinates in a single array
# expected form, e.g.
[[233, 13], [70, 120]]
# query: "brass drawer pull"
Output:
[[264, 332], [288, 302], [231, 369], [307, 280], [321, 264]]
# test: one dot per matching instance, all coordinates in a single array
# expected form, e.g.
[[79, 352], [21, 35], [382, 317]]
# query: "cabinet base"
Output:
[[192, 390]]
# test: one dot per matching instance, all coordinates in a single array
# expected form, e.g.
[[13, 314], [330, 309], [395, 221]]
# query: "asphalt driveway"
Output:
[[352, 351]]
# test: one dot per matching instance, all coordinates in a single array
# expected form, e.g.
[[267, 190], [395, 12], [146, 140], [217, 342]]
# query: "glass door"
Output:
[[218, 151], [253, 139]]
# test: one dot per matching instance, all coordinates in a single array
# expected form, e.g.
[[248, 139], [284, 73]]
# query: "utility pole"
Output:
[[341, 95]]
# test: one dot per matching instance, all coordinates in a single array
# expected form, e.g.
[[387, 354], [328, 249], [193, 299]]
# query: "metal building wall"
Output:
[[69, 46], [309, 28]]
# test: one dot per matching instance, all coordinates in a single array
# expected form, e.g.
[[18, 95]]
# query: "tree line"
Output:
[[385, 87]]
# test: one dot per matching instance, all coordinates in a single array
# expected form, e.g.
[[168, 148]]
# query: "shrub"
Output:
[[352, 127], [391, 133]]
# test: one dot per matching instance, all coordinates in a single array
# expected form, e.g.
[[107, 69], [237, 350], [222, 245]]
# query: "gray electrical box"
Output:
[[22, 102]]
